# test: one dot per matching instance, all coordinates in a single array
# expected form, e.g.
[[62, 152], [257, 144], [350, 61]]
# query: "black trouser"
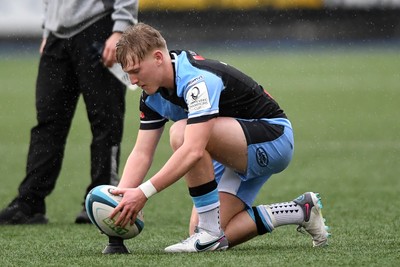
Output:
[[67, 69]]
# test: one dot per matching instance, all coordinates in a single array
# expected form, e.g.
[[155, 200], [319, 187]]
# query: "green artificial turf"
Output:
[[344, 107]]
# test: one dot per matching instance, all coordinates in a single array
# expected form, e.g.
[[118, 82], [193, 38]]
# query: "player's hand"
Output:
[[132, 202], [109, 52]]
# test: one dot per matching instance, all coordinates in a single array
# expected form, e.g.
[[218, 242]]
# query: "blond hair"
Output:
[[136, 42]]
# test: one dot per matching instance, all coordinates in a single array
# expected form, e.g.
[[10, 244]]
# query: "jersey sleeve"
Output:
[[149, 119], [202, 97]]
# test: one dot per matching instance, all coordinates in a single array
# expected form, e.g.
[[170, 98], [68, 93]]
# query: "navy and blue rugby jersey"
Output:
[[206, 89]]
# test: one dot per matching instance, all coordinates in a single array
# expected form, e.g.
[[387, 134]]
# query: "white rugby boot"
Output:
[[200, 241], [314, 223]]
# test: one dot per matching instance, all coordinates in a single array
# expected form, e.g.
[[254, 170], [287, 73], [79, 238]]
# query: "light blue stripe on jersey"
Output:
[[206, 202], [166, 108]]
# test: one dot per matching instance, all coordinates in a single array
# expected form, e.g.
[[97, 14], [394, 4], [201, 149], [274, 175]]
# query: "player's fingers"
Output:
[[117, 191], [125, 222], [128, 218], [116, 210], [121, 218], [133, 219]]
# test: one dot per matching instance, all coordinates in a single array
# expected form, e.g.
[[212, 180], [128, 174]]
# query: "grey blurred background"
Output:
[[233, 22]]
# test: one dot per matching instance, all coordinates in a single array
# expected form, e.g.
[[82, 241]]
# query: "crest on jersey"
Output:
[[197, 97], [262, 157]]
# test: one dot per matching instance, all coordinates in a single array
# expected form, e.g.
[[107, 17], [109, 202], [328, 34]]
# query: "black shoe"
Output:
[[82, 217], [20, 213]]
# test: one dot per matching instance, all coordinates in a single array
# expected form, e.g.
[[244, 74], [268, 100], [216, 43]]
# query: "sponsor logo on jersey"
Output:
[[196, 56], [195, 80], [197, 97]]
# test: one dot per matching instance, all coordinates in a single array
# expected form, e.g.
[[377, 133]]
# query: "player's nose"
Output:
[[133, 79]]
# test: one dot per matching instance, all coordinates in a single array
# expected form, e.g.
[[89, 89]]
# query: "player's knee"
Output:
[[176, 134]]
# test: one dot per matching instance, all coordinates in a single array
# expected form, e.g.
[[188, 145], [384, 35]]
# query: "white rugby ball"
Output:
[[99, 205]]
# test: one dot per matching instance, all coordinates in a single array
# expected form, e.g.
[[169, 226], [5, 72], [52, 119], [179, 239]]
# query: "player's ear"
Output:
[[158, 56]]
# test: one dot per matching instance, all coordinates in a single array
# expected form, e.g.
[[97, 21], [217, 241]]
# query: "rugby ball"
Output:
[[99, 205]]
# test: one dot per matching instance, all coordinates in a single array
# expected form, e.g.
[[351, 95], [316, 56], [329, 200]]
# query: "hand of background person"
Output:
[[42, 45], [109, 56]]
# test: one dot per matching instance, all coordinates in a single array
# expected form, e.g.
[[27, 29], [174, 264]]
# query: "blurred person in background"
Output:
[[78, 46]]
